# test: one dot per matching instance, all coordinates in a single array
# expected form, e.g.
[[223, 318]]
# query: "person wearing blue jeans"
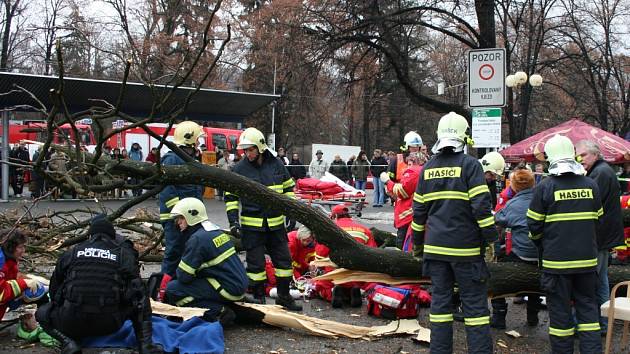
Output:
[[360, 171], [377, 166]]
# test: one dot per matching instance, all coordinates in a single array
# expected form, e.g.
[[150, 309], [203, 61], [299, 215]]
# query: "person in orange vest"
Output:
[[352, 291], [398, 165], [402, 192]]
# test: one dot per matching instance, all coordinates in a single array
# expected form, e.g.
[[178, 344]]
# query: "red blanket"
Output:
[[306, 185]]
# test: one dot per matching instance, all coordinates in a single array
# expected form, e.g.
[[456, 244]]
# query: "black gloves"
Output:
[[235, 230]]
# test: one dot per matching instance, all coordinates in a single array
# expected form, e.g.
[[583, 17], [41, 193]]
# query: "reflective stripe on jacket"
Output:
[[272, 174], [563, 217], [452, 206], [210, 257], [403, 192]]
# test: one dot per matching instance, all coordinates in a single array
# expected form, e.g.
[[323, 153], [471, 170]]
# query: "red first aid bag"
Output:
[[395, 302]]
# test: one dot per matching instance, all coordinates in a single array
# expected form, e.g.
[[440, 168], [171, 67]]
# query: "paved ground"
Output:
[[265, 339]]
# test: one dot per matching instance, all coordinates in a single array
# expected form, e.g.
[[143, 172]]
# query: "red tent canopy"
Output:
[[614, 148]]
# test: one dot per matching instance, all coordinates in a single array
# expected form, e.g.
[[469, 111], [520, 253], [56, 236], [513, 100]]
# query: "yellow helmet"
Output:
[[453, 126], [559, 148], [250, 137], [192, 209], [493, 162], [412, 139], [187, 133]]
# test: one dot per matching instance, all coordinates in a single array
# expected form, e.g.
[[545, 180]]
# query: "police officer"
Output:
[[210, 274], [94, 288], [262, 229], [452, 204], [563, 217], [186, 136]]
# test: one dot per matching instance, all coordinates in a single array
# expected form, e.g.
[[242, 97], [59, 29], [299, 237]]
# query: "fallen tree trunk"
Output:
[[507, 278]]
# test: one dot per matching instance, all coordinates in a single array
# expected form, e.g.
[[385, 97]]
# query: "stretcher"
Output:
[[325, 200]]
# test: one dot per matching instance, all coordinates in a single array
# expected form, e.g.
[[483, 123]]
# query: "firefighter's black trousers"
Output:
[[561, 289], [471, 278], [276, 244]]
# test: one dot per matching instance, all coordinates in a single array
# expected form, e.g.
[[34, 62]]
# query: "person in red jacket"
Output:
[[352, 291], [12, 284], [302, 248], [402, 191]]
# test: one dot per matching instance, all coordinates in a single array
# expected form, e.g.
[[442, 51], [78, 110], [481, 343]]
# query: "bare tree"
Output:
[[12, 22], [592, 46], [52, 11]]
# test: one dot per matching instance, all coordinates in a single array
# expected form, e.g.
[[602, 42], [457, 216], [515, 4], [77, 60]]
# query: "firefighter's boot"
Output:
[[258, 294], [337, 297], [144, 336], [284, 298], [499, 312], [355, 297]]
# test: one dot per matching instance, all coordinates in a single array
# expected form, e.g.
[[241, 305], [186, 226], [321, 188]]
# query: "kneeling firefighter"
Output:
[[210, 274], [94, 288]]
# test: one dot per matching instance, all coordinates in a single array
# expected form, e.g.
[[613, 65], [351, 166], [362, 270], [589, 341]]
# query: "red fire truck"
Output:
[[215, 138], [37, 131]]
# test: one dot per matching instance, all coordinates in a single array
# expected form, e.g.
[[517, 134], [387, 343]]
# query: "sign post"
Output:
[[486, 77], [486, 127], [271, 141]]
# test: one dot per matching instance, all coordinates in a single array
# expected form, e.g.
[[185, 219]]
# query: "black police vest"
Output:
[[93, 283]]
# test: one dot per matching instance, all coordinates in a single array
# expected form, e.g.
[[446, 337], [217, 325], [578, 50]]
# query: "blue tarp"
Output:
[[192, 336]]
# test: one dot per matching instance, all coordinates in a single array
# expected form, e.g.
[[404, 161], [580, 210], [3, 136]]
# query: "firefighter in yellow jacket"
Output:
[[563, 217], [452, 203]]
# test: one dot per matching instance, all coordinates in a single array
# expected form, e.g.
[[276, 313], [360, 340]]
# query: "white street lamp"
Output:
[[510, 80], [536, 80], [521, 77]]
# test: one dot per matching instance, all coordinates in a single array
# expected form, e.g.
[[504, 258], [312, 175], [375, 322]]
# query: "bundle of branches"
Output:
[[52, 231]]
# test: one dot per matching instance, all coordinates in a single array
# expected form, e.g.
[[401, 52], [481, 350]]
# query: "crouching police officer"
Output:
[[210, 274], [94, 288]]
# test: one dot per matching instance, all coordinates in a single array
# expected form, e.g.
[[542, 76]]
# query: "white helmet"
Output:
[[192, 209], [493, 162], [452, 132], [250, 137], [412, 139], [452, 126], [187, 133], [558, 148], [561, 156]]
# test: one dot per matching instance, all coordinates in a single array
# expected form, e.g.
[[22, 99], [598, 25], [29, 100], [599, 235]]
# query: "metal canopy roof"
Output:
[[206, 105]]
